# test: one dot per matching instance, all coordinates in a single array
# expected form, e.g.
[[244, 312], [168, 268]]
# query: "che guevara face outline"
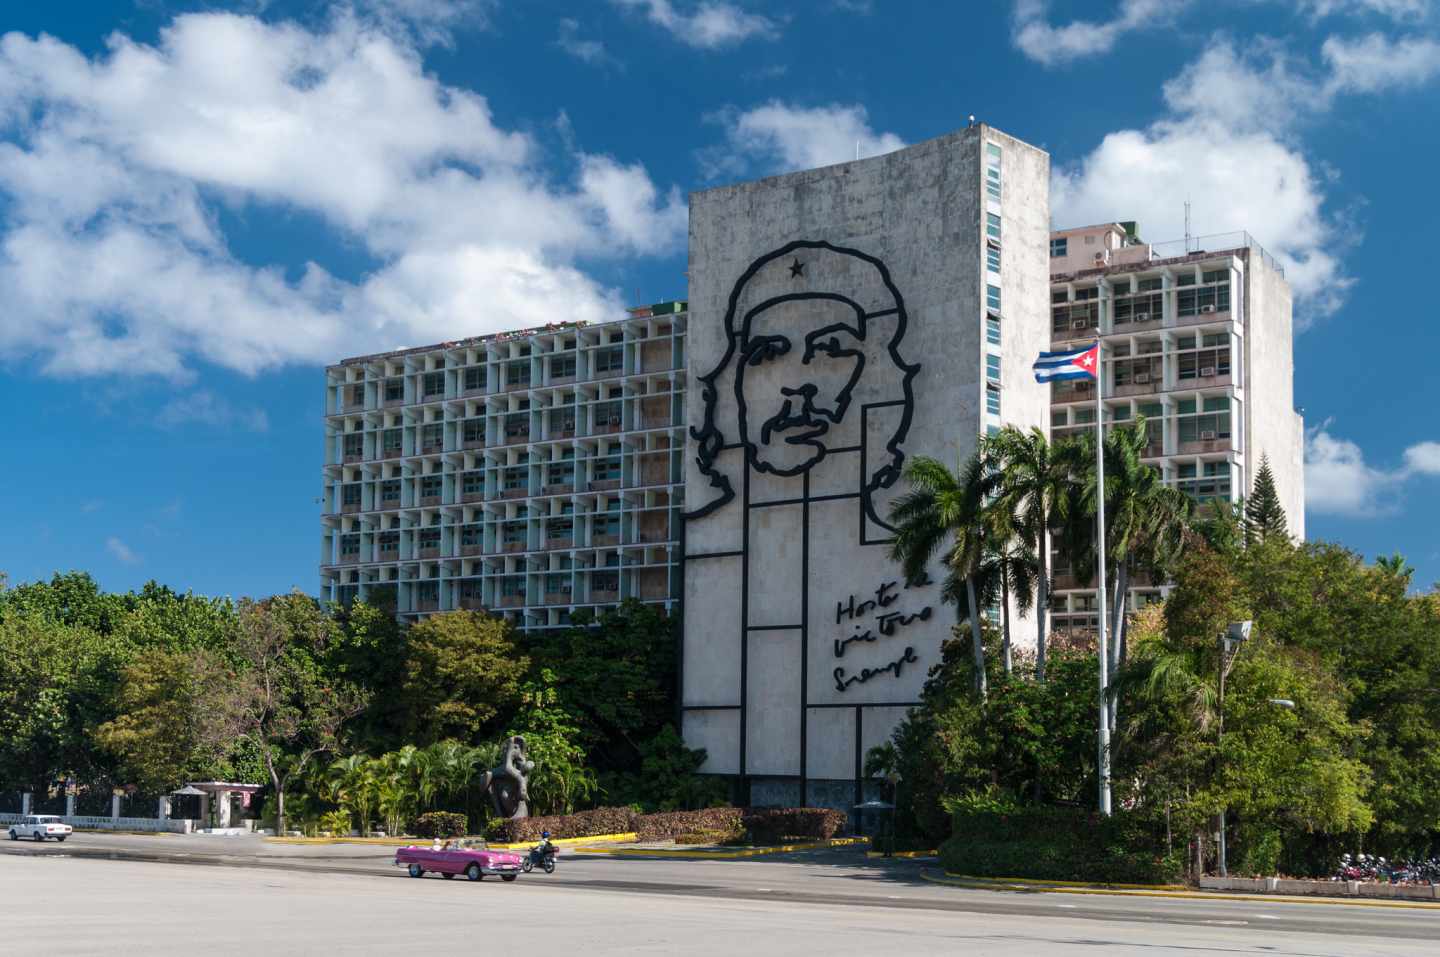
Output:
[[800, 358]]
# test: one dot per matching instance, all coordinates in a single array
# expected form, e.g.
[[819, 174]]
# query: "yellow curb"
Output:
[[629, 838], [903, 854], [1037, 882], [951, 880], [722, 855]]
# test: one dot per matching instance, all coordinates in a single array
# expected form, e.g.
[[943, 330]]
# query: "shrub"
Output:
[[602, 820], [336, 822], [997, 838], [711, 837], [440, 824], [671, 824], [774, 825]]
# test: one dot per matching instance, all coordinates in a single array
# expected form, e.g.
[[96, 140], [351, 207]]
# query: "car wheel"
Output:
[[13, 835], [416, 870], [527, 865], [37, 836], [61, 838], [473, 872], [549, 866], [507, 878]]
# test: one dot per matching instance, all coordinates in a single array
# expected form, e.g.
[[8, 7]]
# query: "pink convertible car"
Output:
[[473, 862]]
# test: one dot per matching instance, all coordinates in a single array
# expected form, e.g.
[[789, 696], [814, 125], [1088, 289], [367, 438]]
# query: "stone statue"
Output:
[[506, 784]]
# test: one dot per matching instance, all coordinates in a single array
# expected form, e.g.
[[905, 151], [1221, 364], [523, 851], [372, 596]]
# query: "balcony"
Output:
[[520, 492], [607, 595], [390, 554], [1201, 445], [427, 604], [1077, 391], [472, 497], [513, 546], [350, 508], [429, 552], [604, 485], [512, 601], [1142, 384], [392, 403], [558, 488], [470, 603], [350, 458], [430, 500], [552, 544], [600, 541], [478, 442], [349, 559], [567, 432], [431, 448], [563, 379], [516, 436], [606, 428], [1203, 316], [557, 598], [468, 550], [391, 453]]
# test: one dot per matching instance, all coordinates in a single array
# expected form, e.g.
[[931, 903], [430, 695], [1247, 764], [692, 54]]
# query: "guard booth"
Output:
[[220, 805]]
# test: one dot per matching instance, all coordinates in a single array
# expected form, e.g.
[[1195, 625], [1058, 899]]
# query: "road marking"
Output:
[[1266, 917], [1227, 923], [1067, 906]]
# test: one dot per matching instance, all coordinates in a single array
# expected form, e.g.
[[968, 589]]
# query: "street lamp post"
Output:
[[1234, 636], [893, 777]]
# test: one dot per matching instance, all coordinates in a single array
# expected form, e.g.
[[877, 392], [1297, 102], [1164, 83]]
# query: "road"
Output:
[[130, 894]]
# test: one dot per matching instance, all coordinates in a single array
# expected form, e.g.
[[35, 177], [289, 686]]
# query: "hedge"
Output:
[[440, 824], [669, 825], [774, 825], [602, 820], [993, 838]]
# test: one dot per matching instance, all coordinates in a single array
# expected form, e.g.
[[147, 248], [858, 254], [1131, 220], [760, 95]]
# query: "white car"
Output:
[[37, 827]]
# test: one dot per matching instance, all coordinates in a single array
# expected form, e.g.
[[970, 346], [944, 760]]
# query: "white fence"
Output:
[[172, 825]]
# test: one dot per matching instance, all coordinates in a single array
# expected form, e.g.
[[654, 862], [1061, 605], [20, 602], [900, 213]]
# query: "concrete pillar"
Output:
[[114, 807], [69, 805], [204, 810], [163, 810], [26, 800], [223, 809]]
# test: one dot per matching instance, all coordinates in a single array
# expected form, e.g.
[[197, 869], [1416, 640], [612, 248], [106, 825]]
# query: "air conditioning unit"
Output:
[[1207, 371], [1207, 436], [1142, 378], [1207, 308], [1080, 324], [1142, 317]]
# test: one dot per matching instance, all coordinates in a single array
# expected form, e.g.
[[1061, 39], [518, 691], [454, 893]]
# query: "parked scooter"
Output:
[[541, 855]]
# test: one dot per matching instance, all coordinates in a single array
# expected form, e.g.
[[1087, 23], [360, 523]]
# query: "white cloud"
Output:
[[1056, 45], [1374, 63], [112, 168], [780, 137], [711, 25], [1224, 146], [207, 408], [1338, 481], [428, 21], [581, 48], [121, 551], [1394, 9]]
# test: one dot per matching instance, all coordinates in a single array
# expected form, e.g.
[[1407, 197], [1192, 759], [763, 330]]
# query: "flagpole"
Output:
[[1104, 756]]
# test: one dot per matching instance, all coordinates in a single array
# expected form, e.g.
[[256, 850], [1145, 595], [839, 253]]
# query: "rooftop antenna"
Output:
[[972, 119], [1187, 224], [857, 149]]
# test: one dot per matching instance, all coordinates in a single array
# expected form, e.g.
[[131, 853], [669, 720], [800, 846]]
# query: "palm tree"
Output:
[[948, 510], [1035, 491], [350, 783], [1007, 570], [1145, 525]]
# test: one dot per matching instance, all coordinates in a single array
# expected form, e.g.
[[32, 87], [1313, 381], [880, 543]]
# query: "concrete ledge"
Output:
[[1296, 888]]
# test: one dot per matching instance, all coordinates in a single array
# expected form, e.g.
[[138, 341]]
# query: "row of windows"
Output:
[[474, 378]]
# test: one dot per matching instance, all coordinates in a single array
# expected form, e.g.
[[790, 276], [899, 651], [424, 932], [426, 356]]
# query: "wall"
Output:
[[1273, 427], [171, 825], [856, 292]]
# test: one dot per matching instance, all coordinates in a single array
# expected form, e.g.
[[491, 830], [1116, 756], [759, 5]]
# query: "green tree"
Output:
[[463, 672], [282, 701], [1035, 486], [561, 778], [948, 511], [1264, 516], [167, 726], [617, 679]]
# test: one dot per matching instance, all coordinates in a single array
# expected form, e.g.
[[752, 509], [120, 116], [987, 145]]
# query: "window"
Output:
[[992, 297], [561, 474], [430, 538], [607, 414], [513, 479], [1058, 247], [1059, 295], [562, 420], [392, 439], [473, 431], [992, 400], [562, 367], [434, 384], [992, 258], [474, 378], [354, 444], [471, 536], [350, 494], [389, 542], [992, 367], [605, 581], [560, 528], [349, 546], [430, 486], [607, 469], [394, 390], [607, 525], [517, 426], [992, 225], [517, 374], [472, 483], [512, 587], [992, 330], [513, 533], [357, 395], [432, 436], [390, 492], [992, 182], [609, 360]]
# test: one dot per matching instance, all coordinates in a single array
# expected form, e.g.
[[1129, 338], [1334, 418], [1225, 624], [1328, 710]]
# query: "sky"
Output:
[[202, 203]]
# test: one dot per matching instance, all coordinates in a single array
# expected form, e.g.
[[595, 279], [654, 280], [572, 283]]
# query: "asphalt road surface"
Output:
[[116, 894]]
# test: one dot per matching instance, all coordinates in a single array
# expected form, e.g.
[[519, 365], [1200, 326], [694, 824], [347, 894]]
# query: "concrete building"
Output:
[[1197, 339], [843, 320], [531, 473]]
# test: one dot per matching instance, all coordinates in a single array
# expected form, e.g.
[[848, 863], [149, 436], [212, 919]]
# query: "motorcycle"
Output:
[[541, 855]]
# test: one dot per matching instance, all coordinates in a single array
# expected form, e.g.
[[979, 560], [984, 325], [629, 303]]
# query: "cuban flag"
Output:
[[1074, 364]]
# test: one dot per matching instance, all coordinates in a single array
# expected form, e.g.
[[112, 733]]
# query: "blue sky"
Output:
[[202, 203]]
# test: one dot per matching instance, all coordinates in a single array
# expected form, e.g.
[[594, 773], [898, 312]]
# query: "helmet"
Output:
[[545, 834]]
